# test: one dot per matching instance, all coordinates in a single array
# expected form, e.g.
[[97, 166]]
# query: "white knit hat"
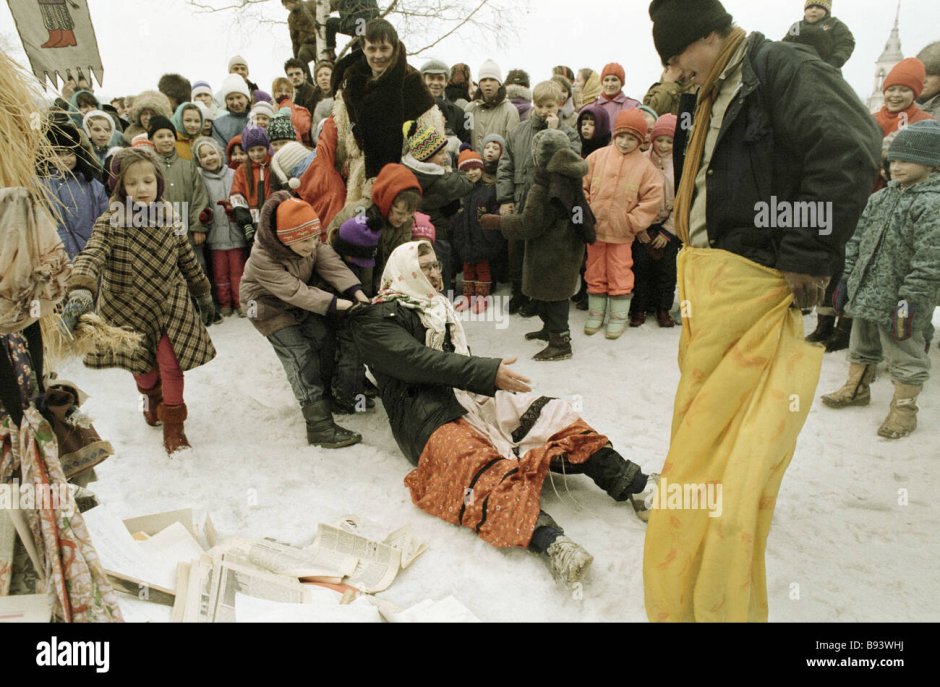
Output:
[[234, 83], [490, 70], [200, 88], [97, 114], [286, 160], [263, 108], [238, 59]]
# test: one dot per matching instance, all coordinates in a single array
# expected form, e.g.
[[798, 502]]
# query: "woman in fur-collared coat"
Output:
[[146, 105], [375, 95]]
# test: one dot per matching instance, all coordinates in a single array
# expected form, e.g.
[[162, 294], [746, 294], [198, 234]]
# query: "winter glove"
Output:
[[242, 216], [902, 321], [80, 302], [206, 217], [808, 290], [227, 206], [491, 222], [840, 298], [206, 309]]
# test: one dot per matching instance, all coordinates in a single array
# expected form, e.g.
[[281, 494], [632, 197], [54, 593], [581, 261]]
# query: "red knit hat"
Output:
[[908, 72], [392, 180], [296, 221], [631, 122], [469, 159], [664, 126], [616, 70]]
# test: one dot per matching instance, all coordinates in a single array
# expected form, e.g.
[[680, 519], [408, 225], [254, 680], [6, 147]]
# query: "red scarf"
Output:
[[890, 121]]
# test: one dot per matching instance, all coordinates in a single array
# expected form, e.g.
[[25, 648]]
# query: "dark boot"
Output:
[[174, 436], [664, 319], [825, 327], [540, 335], [839, 341], [517, 300], [152, 400], [529, 309], [322, 431], [559, 348]]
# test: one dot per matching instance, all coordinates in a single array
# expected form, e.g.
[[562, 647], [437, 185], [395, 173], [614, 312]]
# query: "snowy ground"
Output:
[[842, 547]]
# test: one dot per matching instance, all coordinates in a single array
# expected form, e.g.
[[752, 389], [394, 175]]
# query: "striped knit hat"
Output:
[[424, 142], [918, 143], [469, 159], [296, 221]]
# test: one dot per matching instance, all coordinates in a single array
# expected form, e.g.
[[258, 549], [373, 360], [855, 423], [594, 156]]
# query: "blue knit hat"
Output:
[[918, 143]]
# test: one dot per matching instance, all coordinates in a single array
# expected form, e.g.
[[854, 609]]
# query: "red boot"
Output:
[[152, 399], [463, 303], [174, 436], [55, 38], [483, 297], [68, 40]]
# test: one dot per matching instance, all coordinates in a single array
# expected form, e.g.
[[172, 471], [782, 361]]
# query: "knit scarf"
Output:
[[696, 148]]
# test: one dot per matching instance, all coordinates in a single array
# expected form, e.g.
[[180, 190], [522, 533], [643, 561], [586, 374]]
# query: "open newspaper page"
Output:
[[378, 562], [312, 563]]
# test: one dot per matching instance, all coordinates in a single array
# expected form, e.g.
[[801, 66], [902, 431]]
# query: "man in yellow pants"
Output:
[[774, 162]]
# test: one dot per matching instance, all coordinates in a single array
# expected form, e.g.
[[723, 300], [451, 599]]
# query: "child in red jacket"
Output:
[[252, 184]]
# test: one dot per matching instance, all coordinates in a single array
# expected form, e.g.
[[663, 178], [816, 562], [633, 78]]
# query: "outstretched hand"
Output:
[[513, 382]]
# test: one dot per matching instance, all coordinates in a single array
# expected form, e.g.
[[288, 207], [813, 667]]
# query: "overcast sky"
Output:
[[141, 39]]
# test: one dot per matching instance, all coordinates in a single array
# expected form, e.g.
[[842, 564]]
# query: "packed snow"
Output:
[[855, 534]]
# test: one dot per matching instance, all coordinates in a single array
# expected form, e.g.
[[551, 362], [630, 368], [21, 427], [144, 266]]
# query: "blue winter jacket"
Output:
[[80, 204]]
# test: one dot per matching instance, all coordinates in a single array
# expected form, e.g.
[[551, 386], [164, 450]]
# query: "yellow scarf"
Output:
[[696, 147]]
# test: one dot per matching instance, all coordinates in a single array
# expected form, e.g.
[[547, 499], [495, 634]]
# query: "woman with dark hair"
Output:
[[376, 92]]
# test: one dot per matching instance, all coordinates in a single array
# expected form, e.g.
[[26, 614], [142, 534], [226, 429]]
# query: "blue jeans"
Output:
[[307, 352]]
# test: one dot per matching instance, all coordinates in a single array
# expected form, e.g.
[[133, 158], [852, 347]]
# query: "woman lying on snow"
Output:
[[483, 445]]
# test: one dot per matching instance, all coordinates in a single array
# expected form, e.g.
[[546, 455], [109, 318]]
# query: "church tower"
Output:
[[889, 58]]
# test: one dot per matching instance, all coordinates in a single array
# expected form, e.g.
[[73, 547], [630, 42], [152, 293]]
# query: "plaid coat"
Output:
[[142, 278]]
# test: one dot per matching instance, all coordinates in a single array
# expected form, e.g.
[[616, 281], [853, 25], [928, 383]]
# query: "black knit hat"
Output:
[[63, 135], [158, 122], [679, 23]]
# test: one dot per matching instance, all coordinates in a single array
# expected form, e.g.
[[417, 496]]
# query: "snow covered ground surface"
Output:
[[846, 545]]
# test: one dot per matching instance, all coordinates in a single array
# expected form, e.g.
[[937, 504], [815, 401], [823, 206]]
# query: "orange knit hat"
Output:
[[908, 72], [614, 69], [296, 221], [631, 122]]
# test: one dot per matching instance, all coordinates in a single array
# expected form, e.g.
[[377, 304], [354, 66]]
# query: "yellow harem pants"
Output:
[[748, 382]]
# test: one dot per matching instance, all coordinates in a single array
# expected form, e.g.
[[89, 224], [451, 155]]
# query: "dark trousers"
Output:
[[350, 379], [554, 314], [307, 352], [655, 277], [445, 256]]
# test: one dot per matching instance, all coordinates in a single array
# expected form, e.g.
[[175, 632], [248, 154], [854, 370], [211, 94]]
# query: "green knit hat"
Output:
[[424, 142], [281, 129], [918, 143]]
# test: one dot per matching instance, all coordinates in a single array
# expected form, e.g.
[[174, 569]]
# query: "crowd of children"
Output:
[[564, 192]]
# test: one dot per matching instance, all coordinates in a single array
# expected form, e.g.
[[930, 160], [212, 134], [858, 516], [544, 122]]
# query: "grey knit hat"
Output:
[[918, 143]]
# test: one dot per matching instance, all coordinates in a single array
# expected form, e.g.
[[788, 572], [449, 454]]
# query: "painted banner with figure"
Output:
[[59, 38]]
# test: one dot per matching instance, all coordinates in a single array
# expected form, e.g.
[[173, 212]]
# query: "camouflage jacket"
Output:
[[895, 253]]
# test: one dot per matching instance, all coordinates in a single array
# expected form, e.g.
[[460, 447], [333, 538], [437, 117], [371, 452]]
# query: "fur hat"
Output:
[[490, 70], [631, 122], [357, 242], [679, 23], [281, 129], [919, 143], [154, 101], [908, 72], [296, 221], [286, 161], [424, 142], [546, 143], [518, 77]]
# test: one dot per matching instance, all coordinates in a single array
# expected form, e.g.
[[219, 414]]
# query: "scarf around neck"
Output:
[[696, 147]]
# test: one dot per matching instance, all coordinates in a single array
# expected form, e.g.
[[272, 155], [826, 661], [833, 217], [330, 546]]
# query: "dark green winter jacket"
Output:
[[829, 37], [895, 253], [416, 382]]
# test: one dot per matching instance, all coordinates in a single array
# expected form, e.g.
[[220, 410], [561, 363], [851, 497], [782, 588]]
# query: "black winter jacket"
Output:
[[416, 382], [795, 132], [473, 243]]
